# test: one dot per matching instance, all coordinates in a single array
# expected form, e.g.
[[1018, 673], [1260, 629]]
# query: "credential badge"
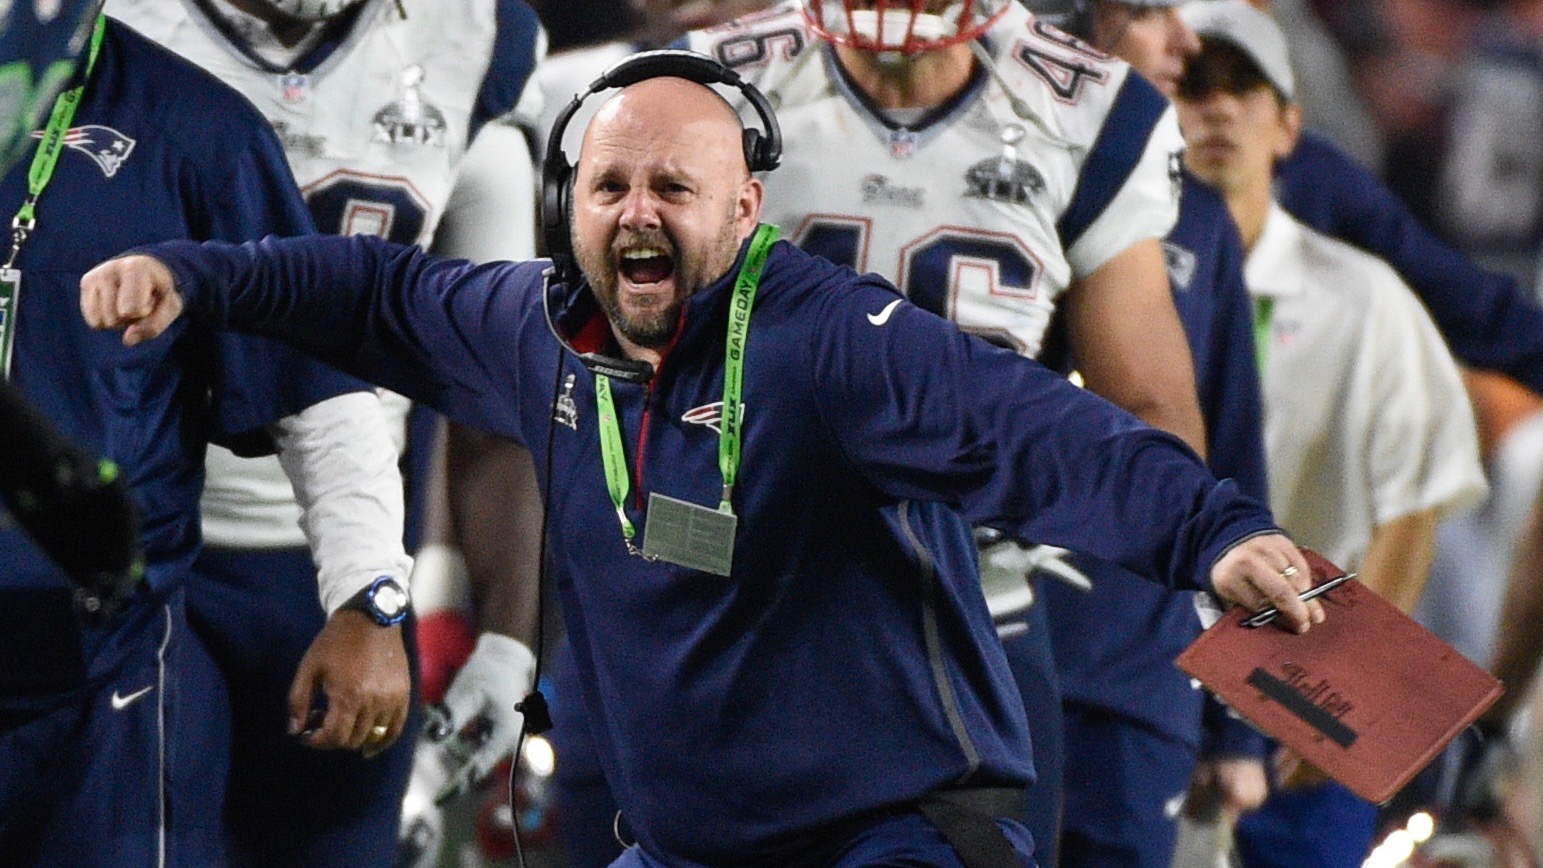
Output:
[[410, 120], [567, 412], [1005, 178]]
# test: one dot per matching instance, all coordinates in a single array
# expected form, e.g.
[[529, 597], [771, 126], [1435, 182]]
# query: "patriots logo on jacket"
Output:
[[106, 147], [710, 415]]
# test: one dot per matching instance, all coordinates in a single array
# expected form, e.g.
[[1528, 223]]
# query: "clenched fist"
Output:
[[134, 293]]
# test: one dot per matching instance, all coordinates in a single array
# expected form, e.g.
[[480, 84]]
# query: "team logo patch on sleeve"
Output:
[[106, 147], [1181, 265]]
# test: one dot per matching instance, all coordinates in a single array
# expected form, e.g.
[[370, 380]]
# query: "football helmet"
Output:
[[309, 10], [906, 26]]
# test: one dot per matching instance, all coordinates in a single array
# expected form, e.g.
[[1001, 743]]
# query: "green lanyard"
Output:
[[38, 176], [47, 156], [1264, 309], [617, 479]]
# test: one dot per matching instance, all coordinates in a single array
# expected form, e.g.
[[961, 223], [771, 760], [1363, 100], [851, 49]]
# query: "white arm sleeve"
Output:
[[339, 456], [1147, 206], [491, 214]]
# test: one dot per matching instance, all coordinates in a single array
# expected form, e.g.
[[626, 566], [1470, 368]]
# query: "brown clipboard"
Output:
[[1369, 696]]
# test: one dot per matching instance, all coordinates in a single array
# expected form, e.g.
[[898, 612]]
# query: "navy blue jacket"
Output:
[[158, 149], [850, 662]]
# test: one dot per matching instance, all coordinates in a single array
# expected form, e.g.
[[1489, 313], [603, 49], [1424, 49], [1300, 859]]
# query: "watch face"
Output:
[[390, 599]]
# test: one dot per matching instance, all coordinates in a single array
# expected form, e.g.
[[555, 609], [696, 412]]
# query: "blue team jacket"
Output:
[[158, 149], [849, 662]]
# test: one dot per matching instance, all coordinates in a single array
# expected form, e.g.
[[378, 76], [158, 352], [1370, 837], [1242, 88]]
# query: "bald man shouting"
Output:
[[761, 473]]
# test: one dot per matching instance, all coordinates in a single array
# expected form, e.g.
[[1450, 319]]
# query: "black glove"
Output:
[[72, 505]]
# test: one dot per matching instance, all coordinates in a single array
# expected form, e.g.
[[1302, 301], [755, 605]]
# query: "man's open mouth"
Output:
[[645, 265]]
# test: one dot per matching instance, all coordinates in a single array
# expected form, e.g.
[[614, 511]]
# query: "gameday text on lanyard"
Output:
[[38, 176], [679, 532]]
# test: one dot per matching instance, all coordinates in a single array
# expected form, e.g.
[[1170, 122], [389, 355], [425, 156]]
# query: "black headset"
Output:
[[763, 151]]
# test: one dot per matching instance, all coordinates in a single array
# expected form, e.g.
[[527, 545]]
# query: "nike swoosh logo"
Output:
[[122, 702], [882, 316]]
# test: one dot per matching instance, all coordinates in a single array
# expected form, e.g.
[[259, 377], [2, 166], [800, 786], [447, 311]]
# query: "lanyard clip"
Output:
[[21, 228]]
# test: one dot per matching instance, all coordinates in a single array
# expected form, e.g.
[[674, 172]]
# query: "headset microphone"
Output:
[[626, 370]]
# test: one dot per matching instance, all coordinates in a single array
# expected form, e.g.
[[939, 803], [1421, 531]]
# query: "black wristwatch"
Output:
[[384, 600]]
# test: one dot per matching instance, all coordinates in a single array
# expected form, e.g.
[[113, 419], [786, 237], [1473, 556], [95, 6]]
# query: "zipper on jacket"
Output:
[[648, 411], [934, 643]]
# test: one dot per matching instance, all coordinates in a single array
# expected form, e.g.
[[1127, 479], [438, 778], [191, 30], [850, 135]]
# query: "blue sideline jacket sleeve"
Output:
[[393, 314], [1485, 317], [1228, 380], [918, 407], [1093, 478]]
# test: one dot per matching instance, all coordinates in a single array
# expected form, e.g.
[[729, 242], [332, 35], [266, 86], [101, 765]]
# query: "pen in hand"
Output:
[[1259, 619]]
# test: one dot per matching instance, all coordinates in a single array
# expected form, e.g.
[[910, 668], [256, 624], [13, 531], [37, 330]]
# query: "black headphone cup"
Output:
[[754, 150], [556, 184]]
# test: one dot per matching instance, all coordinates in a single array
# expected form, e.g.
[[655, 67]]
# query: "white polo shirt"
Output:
[[1366, 417]]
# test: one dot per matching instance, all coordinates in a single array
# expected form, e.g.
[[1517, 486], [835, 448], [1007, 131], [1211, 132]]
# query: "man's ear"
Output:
[[1290, 130], [748, 212]]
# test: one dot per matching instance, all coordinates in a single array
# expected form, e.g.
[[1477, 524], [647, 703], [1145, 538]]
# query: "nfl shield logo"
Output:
[[902, 143], [294, 87]]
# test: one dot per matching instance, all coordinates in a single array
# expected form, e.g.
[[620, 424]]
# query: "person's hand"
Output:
[[133, 293], [1295, 773], [1230, 786], [1264, 571], [495, 678], [358, 670]]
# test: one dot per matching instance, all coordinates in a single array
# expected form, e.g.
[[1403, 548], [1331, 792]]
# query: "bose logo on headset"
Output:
[[763, 151]]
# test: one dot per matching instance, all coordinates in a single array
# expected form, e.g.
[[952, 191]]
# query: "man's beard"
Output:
[[654, 328]]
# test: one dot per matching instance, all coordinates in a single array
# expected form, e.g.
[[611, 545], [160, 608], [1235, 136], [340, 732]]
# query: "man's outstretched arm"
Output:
[[443, 332]]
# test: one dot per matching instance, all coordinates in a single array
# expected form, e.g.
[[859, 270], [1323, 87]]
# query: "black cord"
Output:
[[540, 637]]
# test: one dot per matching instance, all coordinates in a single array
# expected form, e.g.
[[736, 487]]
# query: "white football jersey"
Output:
[[377, 127], [1053, 161]]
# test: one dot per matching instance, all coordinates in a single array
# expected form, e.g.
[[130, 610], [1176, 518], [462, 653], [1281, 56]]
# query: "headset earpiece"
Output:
[[556, 187]]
